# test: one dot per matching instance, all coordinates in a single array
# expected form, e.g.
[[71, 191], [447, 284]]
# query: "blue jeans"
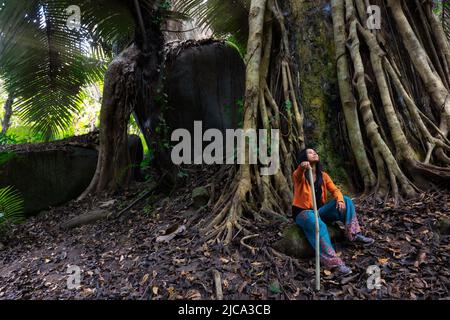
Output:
[[329, 213]]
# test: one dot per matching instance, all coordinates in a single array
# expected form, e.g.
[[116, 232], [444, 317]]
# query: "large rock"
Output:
[[200, 196], [49, 177], [294, 243], [444, 226], [50, 174], [203, 81]]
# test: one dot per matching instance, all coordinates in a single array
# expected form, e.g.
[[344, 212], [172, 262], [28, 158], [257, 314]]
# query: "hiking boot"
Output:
[[359, 238], [343, 270]]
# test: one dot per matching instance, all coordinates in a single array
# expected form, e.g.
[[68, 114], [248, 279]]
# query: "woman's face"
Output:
[[312, 155]]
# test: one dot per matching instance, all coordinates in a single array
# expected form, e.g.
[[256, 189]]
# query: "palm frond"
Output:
[[5, 156], [224, 17], [11, 205], [46, 64]]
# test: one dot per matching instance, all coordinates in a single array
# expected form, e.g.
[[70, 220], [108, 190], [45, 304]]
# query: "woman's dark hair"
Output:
[[303, 156]]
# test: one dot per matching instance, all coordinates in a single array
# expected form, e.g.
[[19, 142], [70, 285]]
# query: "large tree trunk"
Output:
[[402, 144], [271, 102], [6, 122], [394, 91], [130, 86]]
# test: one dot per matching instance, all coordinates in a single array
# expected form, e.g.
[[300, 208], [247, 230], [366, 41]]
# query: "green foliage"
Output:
[[182, 174], [439, 6], [288, 105], [274, 287], [239, 106], [7, 139], [44, 63], [162, 129], [6, 156], [21, 134], [225, 18], [234, 43], [240, 112], [11, 206], [148, 209]]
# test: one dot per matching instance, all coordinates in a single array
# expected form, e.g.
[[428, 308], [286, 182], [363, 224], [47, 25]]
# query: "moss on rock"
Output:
[[294, 243]]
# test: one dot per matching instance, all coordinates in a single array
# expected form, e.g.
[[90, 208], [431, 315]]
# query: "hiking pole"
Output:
[[316, 216]]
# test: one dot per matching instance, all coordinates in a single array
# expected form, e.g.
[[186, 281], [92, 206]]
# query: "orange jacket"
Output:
[[302, 190]]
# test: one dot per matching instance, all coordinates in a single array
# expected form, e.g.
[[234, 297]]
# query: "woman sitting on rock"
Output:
[[339, 209]]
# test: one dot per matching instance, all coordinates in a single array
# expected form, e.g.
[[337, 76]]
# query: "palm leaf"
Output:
[[44, 63], [5, 156], [224, 17], [47, 65], [11, 205]]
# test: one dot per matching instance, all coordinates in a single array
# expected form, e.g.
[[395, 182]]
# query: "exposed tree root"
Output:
[[250, 193], [395, 174], [407, 153]]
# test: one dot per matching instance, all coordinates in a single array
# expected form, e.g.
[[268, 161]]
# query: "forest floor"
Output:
[[121, 259]]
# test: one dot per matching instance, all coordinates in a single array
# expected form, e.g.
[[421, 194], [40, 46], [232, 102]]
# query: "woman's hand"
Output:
[[305, 165], [340, 205]]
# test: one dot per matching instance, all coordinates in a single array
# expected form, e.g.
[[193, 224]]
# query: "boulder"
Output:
[[203, 81], [294, 243], [200, 196], [443, 226], [53, 173], [49, 177]]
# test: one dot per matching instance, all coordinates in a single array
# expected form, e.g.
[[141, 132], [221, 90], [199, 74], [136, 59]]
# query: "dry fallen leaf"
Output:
[[327, 272], [179, 261], [107, 203], [383, 261], [171, 233], [155, 290], [171, 292], [144, 279], [88, 291], [193, 295], [224, 260], [242, 286], [420, 258]]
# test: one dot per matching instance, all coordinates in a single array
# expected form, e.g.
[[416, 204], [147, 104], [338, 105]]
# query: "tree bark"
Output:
[[6, 122], [421, 61], [348, 99], [130, 84]]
